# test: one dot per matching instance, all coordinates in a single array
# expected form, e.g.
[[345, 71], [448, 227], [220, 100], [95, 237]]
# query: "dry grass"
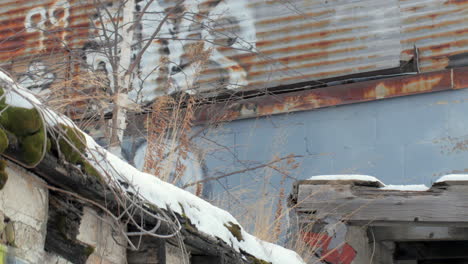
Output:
[[83, 94], [168, 128]]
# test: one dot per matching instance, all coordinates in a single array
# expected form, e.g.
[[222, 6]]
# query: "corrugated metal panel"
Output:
[[31, 27], [438, 29], [307, 40], [295, 41]]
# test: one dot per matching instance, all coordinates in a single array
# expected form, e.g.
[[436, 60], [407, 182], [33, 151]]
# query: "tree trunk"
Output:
[[119, 113]]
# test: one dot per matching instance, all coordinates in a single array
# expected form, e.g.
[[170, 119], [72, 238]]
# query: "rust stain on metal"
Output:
[[314, 36], [321, 41], [437, 28], [28, 28], [335, 95], [406, 86], [460, 78], [438, 35]]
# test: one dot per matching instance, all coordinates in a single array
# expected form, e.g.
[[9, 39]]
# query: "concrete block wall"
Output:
[[96, 232], [23, 205], [23, 225]]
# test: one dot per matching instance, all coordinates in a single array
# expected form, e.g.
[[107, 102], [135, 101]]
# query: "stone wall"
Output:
[[24, 203]]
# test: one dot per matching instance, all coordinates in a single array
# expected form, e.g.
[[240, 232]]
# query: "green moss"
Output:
[[3, 141], [3, 174], [32, 147], [21, 121], [90, 170], [26, 126], [186, 223], [182, 209], [49, 145], [89, 250], [3, 100], [73, 145], [235, 230], [151, 206], [255, 260]]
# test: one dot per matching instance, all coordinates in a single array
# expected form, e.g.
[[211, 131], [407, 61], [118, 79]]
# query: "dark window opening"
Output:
[[431, 252]]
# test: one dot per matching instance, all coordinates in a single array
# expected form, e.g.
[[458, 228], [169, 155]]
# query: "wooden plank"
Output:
[[372, 204]]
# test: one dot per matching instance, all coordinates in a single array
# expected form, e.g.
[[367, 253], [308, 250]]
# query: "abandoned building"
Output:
[[67, 200], [371, 87], [351, 219]]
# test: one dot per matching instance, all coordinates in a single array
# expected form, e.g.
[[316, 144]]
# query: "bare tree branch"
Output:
[[242, 171]]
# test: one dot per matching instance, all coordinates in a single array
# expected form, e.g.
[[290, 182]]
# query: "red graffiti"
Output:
[[320, 243]]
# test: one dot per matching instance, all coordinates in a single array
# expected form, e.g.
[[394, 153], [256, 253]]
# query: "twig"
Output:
[[241, 171]]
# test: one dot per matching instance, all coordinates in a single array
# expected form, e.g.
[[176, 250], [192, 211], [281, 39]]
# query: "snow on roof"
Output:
[[453, 177], [207, 218], [413, 187], [367, 178], [348, 177]]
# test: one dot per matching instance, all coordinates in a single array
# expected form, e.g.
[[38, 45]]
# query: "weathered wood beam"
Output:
[[360, 203]]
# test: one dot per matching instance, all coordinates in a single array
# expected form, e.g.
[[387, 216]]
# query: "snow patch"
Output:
[[414, 187], [207, 218], [350, 177], [367, 178], [453, 177]]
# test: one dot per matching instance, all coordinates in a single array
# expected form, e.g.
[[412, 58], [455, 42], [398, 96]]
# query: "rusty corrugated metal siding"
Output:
[[439, 29], [304, 40], [297, 41], [294, 41], [33, 27]]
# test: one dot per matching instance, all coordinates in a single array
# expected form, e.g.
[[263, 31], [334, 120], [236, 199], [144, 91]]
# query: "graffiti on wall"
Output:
[[37, 77], [50, 23], [173, 62]]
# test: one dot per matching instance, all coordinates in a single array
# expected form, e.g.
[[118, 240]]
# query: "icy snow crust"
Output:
[[356, 177], [207, 218]]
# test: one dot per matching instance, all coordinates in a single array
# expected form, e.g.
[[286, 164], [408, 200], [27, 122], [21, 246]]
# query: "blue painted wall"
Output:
[[407, 140]]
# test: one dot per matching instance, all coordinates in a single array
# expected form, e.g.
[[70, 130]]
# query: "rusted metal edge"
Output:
[[274, 104]]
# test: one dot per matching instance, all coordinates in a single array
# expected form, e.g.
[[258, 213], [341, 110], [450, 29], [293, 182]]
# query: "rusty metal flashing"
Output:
[[273, 104]]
